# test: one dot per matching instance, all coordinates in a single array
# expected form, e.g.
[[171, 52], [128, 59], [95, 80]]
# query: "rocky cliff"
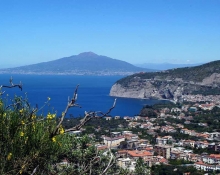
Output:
[[170, 84]]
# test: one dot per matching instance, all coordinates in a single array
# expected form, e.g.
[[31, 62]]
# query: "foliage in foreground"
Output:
[[36, 144]]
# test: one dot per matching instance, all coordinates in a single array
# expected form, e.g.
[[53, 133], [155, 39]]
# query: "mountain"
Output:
[[165, 66], [171, 84], [87, 63]]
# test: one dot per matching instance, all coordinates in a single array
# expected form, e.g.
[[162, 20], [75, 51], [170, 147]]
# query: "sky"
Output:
[[135, 31]]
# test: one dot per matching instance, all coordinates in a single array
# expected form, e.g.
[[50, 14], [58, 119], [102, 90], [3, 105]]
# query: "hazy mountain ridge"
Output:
[[84, 63], [170, 84]]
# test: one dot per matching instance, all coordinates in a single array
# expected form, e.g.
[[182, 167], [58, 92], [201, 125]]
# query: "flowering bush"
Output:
[[36, 144], [25, 142]]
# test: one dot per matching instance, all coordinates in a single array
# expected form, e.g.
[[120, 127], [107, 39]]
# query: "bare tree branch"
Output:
[[111, 158], [105, 114], [12, 85], [35, 169], [71, 103], [88, 116]]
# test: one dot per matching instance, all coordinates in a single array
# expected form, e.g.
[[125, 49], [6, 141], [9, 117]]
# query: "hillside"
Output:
[[171, 84], [87, 63]]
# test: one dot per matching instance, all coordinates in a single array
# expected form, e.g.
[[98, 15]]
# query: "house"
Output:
[[101, 147], [122, 153], [190, 143], [194, 157], [155, 160], [175, 110], [185, 131], [135, 154], [207, 106], [108, 118], [127, 118], [214, 134], [202, 144], [206, 167], [163, 140], [132, 144], [131, 136], [116, 134], [117, 117], [137, 118], [126, 132], [163, 150], [134, 124], [147, 125], [211, 159], [114, 141], [126, 163]]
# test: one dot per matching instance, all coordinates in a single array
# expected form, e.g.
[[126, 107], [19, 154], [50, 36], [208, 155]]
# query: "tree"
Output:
[[141, 168], [35, 144]]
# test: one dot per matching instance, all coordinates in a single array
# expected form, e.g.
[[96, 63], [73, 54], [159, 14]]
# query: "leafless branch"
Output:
[[71, 103], [88, 116], [109, 163], [34, 171], [12, 85], [110, 160], [105, 114]]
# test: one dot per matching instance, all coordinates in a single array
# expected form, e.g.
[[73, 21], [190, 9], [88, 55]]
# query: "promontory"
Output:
[[171, 84]]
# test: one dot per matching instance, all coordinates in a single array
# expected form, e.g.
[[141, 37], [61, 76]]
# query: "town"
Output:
[[168, 135]]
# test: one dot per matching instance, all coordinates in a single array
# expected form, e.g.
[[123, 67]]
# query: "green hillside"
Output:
[[195, 74]]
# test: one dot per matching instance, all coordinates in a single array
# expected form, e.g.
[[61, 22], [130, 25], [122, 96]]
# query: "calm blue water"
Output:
[[93, 93]]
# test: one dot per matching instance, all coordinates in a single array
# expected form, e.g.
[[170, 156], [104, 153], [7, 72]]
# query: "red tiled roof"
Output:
[[163, 160], [139, 153], [215, 155], [102, 147], [200, 163]]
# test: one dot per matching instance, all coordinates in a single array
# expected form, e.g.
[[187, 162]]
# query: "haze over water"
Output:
[[93, 93]]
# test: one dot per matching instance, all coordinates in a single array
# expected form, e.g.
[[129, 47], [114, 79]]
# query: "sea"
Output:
[[93, 94]]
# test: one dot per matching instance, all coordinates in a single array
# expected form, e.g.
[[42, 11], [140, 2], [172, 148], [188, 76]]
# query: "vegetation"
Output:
[[174, 170], [195, 74], [179, 162], [152, 111], [166, 81], [31, 143], [141, 168]]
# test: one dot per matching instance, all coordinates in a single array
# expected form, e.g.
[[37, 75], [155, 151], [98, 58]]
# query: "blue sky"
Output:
[[141, 31]]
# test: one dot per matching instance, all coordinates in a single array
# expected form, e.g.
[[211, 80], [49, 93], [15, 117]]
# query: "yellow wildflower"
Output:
[[33, 116], [4, 115], [9, 156], [53, 139], [21, 110], [22, 167], [62, 130], [22, 122], [21, 134], [51, 116]]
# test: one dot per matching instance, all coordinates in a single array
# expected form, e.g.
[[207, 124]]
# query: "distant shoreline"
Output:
[[80, 74]]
